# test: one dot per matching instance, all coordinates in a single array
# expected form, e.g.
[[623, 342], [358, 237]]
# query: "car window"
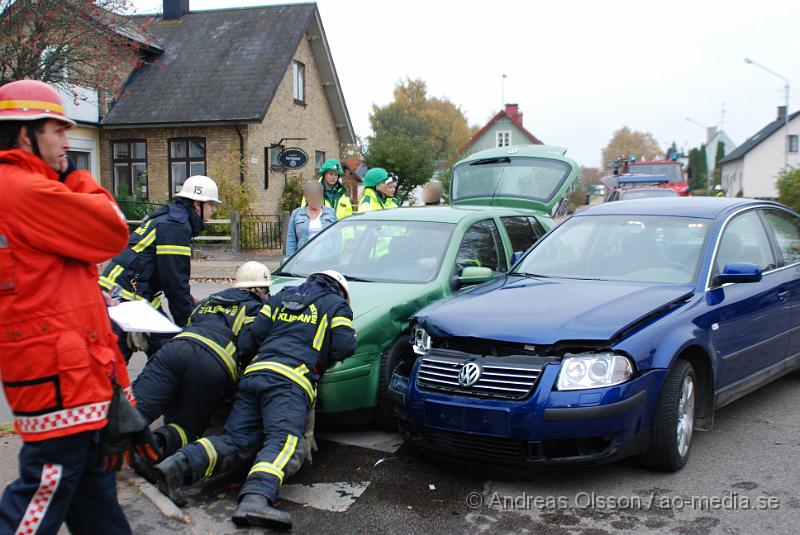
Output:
[[521, 232], [787, 233], [745, 240], [482, 247]]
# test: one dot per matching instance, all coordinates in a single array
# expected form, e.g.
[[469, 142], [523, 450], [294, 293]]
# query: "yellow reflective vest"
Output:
[[371, 200]]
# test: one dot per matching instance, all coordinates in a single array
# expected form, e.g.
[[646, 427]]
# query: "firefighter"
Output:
[[301, 331], [334, 194], [158, 259], [188, 379], [379, 190], [59, 360]]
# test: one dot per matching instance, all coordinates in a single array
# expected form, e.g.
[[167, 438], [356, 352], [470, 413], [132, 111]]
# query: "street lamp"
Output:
[[785, 114]]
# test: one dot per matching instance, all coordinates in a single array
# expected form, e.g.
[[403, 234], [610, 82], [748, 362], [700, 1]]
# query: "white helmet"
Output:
[[338, 277], [199, 188], [253, 275]]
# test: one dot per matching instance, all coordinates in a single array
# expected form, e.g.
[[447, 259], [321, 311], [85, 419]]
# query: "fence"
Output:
[[250, 232]]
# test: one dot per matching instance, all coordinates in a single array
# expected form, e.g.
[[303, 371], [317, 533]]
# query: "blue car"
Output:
[[619, 333]]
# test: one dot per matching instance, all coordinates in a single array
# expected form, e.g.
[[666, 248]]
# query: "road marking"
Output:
[[374, 440], [336, 497]]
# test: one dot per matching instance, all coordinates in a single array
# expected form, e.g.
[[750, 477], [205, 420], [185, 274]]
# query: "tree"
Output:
[[672, 152], [590, 176], [789, 187], [627, 142], [412, 132], [85, 43], [698, 169]]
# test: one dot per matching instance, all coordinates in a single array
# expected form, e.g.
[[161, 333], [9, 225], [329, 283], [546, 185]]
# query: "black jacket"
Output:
[[219, 323], [310, 325], [158, 259]]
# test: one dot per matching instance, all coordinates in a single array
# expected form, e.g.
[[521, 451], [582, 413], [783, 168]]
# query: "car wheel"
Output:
[[672, 428], [397, 355]]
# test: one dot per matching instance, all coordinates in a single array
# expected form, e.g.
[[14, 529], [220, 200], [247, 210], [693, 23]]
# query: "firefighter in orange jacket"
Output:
[[59, 360]]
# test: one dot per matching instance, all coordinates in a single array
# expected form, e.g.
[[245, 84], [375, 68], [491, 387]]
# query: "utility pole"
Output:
[[503, 92], [785, 113]]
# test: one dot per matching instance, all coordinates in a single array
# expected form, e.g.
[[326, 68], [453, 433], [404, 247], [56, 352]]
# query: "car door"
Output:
[[482, 246], [786, 229], [522, 232], [749, 334]]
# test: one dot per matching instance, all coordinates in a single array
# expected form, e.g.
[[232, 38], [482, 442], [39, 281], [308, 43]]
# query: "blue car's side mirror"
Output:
[[516, 256], [739, 272]]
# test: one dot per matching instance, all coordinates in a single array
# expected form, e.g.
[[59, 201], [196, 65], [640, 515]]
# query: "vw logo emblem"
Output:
[[469, 374]]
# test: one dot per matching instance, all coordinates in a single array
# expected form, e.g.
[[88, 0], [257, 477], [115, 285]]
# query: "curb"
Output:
[[162, 503]]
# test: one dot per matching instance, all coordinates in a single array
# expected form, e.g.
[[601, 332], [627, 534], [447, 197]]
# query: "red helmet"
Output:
[[30, 100]]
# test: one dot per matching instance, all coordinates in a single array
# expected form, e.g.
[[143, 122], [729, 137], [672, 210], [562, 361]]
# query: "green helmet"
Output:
[[332, 165], [375, 176]]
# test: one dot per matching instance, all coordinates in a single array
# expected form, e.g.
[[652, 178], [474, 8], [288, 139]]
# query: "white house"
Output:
[[713, 138], [752, 169]]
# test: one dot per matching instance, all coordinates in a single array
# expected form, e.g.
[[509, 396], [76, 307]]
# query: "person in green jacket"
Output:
[[379, 189]]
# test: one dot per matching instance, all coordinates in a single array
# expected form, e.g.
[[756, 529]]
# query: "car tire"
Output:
[[384, 411], [672, 427]]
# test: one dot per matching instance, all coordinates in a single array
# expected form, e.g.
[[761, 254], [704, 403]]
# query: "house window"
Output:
[[129, 160], [299, 82], [187, 157], [793, 143], [319, 159], [504, 138], [81, 158]]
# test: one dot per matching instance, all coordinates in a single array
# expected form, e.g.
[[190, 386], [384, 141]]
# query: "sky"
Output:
[[579, 70]]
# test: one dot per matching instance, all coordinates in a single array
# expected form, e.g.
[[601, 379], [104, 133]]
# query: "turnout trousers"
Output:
[[268, 417], [61, 480], [186, 383]]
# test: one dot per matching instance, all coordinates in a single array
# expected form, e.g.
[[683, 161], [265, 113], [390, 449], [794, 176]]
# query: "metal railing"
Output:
[[250, 232]]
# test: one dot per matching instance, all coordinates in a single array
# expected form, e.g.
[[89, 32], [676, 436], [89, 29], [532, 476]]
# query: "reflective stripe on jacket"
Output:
[[372, 200]]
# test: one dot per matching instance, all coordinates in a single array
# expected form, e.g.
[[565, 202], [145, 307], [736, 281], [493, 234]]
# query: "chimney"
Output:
[[175, 9], [781, 113], [513, 111]]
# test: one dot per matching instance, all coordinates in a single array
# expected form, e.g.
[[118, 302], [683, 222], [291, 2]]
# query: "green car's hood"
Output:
[[366, 297]]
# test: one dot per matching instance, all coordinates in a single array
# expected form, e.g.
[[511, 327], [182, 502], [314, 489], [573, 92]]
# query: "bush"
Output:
[[292, 192], [789, 188], [225, 169]]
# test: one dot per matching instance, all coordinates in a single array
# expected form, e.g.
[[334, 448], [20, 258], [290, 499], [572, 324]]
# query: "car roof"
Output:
[[441, 214], [704, 207], [531, 151]]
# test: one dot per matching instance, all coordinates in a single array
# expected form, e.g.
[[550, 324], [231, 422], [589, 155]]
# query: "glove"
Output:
[[310, 441], [138, 341], [125, 433], [70, 168]]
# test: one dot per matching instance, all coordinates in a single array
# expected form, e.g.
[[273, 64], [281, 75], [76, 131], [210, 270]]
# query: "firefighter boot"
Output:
[[257, 511], [171, 474]]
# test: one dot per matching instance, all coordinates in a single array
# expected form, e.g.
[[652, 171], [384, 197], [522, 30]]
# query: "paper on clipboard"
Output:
[[140, 317]]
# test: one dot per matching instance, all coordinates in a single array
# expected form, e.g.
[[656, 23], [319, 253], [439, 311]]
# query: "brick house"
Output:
[[230, 82], [502, 130]]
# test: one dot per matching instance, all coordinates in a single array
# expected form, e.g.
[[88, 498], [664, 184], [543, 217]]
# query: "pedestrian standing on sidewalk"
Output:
[[62, 372], [308, 221]]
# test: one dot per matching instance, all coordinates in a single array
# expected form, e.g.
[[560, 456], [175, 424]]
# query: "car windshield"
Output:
[[525, 177], [631, 248], [375, 251], [631, 194], [672, 170]]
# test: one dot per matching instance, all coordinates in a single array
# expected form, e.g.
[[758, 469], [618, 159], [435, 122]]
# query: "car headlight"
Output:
[[594, 370], [421, 341]]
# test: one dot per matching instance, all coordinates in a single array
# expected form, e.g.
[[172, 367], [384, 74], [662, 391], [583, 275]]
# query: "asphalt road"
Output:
[[742, 477]]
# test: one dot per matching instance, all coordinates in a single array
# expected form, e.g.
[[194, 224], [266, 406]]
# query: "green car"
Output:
[[398, 261]]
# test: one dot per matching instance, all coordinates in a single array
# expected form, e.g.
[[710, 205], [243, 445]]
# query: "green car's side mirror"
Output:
[[475, 275]]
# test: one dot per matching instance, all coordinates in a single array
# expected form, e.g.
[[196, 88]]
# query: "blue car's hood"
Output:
[[545, 311]]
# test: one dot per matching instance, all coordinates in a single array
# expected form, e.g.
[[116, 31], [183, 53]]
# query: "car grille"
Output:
[[475, 447], [498, 379]]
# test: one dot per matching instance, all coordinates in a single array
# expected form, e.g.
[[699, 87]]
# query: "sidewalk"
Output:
[[222, 265]]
